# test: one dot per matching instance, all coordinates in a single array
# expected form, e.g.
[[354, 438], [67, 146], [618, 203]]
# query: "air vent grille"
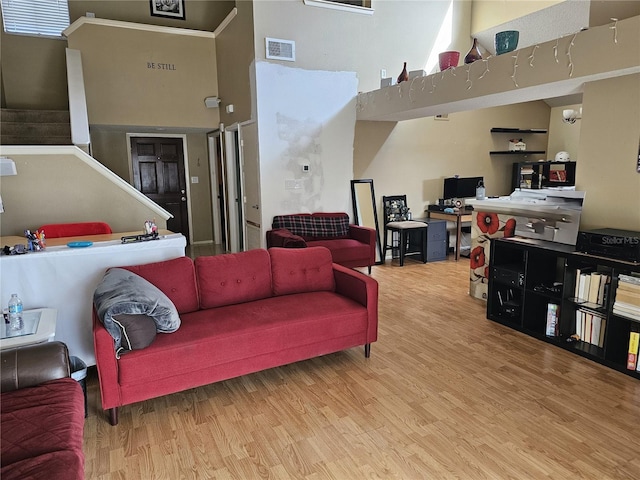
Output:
[[281, 49]]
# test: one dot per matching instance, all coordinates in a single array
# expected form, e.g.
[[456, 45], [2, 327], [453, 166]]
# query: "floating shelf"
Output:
[[517, 130], [517, 152]]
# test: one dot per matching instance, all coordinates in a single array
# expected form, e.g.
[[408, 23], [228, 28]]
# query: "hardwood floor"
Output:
[[445, 394]]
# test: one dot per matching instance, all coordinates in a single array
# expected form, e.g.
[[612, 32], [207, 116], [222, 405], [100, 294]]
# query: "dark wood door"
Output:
[[158, 172]]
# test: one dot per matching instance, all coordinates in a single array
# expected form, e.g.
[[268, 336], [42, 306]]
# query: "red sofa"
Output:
[[240, 313], [41, 413], [350, 245]]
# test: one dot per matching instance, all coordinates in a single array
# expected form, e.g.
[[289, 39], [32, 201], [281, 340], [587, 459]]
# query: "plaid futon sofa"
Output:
[[350, 245]]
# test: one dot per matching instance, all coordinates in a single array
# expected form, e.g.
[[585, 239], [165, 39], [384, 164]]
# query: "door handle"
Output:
[[184, 199]]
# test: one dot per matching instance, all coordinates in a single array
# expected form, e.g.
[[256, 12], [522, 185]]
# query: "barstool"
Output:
[[404, 229], [396, 221]]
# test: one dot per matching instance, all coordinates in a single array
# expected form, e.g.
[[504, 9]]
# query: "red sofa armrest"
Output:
[[281, 237], [362, 289], [107, 365], [365, 235]]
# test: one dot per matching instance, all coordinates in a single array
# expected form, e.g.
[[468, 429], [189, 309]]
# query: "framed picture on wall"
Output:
[[168, 8]]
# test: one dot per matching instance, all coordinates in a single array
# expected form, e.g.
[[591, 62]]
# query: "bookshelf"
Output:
[[533, 175], [527, 278]]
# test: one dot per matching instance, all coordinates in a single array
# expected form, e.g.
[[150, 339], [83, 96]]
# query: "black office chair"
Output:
[[404, 232]]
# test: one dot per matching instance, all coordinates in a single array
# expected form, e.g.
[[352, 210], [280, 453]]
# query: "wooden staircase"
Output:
[[34, 127]]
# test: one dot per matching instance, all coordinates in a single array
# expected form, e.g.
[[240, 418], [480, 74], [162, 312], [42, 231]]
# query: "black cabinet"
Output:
[[543, 174], [535, 287]]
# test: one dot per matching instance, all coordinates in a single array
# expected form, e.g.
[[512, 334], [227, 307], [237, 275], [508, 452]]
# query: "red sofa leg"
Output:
[[113, 416], [367, 350], [369, 269]]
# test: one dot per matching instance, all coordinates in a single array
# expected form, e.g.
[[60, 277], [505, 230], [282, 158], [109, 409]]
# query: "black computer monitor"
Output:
[[461, 187]]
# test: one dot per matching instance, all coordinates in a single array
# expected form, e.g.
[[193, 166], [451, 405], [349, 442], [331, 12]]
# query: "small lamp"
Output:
[[570, 116]]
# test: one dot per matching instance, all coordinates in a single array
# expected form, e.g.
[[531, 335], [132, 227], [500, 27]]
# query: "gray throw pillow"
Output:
[[124, 292], [136, 331]]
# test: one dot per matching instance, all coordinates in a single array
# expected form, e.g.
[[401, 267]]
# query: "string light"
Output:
[[486, 63], [515, 68], [367, 101], [571, 44], [411, 88], [533, 53]]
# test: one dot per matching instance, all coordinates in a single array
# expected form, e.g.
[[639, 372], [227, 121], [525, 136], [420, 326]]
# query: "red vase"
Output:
[[448, 59]]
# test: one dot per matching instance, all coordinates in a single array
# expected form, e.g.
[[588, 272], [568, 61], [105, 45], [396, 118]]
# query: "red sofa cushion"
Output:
[[233, 278], [176, 278], [301, 270], [345, 250], [213, 339], [42, 427], [321, 225]]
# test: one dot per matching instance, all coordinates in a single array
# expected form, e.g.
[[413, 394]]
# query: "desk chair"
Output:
[[402, 229], [58, 230]]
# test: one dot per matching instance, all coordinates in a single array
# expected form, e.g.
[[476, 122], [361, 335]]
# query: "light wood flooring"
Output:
[[445, 394]]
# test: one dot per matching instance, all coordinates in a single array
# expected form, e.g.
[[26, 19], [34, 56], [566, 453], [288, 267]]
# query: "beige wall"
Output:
[[137, 77], [489, 13], [34, 74], [398, 31], [608, 153], [235, 57], [63, 189], [564, 137]]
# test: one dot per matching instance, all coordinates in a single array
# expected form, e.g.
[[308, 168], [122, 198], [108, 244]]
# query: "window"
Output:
[[35, 17]]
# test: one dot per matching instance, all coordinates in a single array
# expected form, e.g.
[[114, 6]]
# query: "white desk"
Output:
[[39, 327], [65, 278]]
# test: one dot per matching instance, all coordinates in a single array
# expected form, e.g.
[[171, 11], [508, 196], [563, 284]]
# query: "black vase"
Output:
[[474, 54], [404, 76]]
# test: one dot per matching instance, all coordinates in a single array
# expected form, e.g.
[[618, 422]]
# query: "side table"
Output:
[[39, 327]]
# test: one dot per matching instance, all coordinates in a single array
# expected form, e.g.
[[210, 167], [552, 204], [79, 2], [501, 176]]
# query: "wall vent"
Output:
[[281, 49]]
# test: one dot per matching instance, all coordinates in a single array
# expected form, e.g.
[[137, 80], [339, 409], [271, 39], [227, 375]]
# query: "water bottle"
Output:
[[480, 191], [15, 312]]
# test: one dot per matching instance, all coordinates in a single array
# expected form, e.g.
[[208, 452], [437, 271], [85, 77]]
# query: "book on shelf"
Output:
[[624, 311], [583, 287], [603, 291], [632, 356], [553, 314], [594, 287], [630, 298], [579, 324], [628, 287], [590, 327], [558, 176], [632, 279]]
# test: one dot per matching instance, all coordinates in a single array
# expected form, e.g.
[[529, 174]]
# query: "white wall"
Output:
[[305, 117]]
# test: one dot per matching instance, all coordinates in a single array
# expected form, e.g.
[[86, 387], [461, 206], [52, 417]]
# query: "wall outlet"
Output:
[[306, 168], [195, 180], [383, 73]]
